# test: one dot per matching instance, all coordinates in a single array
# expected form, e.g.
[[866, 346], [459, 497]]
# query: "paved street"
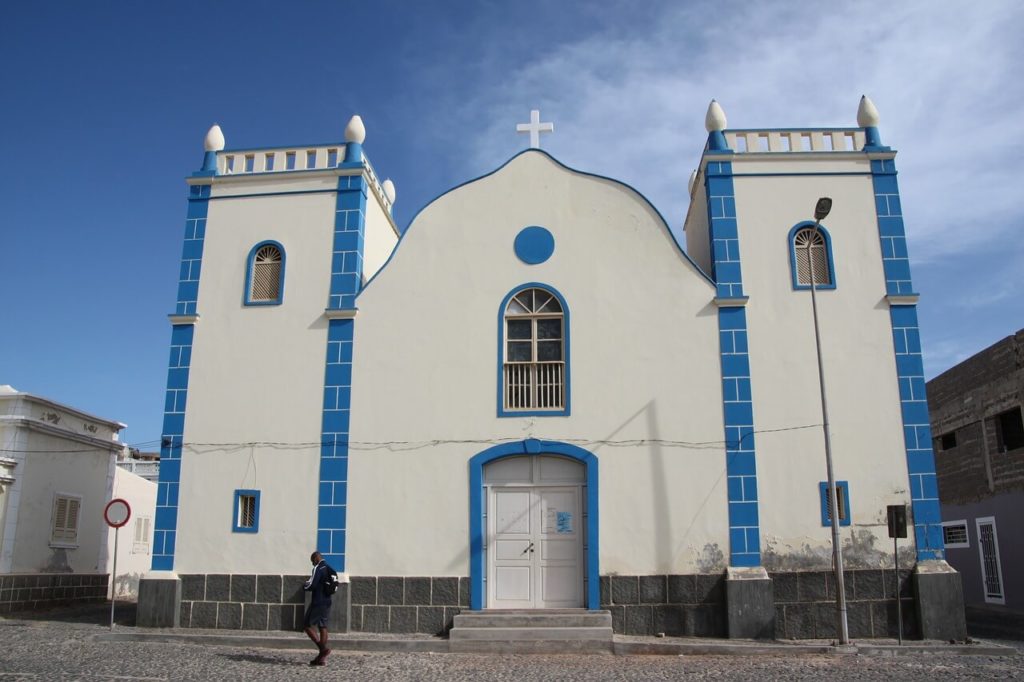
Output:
[[44, 648]]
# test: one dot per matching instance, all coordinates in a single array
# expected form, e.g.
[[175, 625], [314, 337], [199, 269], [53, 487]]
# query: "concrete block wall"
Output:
[[242, 602], [407, 604], [805, 604], [676, 605], [34, 591]]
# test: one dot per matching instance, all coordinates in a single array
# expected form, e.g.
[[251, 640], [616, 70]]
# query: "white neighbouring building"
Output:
[[57, 473], [533, 397]]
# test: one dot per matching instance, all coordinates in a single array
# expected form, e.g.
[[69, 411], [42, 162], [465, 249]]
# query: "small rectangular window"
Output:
[[332, 158], [65, 519], [805, 142], [311, 158], [142, 533], [954, 534], [229, 164], [250, 162], [947, 441], [247, 511], [289, 161], [1009, 430], [843, 499], [268, 162]]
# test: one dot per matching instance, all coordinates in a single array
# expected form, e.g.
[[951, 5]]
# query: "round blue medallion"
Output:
[[534, 245]]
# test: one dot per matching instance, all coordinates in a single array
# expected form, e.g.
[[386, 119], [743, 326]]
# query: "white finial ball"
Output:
[[715, 119], [214, 141], [867, 114], [389, 190], [355, 131]]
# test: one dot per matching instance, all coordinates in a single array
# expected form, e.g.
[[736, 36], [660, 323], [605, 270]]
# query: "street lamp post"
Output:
[[821, 210]]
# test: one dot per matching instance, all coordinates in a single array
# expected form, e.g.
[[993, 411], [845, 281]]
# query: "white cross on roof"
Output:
[[535, 128]]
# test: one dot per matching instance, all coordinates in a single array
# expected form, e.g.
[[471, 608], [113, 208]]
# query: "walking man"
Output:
[[319, 609]]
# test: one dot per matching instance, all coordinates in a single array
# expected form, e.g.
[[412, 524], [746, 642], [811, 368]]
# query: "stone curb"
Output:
[[620, 648]]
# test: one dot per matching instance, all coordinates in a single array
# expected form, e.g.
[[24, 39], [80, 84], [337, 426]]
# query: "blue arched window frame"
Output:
[[502, 412], [250, 261], [791, 245]]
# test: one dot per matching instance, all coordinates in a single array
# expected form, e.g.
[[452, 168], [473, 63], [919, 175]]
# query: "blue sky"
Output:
[[105, 105]]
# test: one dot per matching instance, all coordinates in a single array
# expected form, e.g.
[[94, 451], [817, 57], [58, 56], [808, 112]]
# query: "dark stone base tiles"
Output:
[[33, 592]]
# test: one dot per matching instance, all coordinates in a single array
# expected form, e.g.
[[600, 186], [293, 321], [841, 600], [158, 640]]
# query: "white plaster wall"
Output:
[[132, 562], [379, 237], [48, 470], [696, 226], [863, 397], [255, 389], [644, 363]]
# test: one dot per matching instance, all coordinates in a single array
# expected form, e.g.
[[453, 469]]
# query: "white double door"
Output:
[[535, 547]]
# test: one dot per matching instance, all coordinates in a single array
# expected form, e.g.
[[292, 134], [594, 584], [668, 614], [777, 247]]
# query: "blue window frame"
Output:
[[800, 238], [264, 274], [246, 512], [842, 496], [533, 353]]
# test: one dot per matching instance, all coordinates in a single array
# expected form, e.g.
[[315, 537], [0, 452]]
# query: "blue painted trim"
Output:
[[796, 174], [789, 130], [353, 152], [717, 142], [346, 279], [249, 261], [643, 198], [828, 252], [842, 489], [565, 354], [737, 398], [917, 433], [255, 528], [478, 525], [165, 522], [534, 245]]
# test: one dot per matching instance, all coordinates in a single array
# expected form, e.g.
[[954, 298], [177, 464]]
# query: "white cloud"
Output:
[[631, 104]]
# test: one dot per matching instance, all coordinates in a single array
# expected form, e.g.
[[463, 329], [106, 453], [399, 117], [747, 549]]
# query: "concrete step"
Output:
[[536, 646], [520, 619], [520, 634]]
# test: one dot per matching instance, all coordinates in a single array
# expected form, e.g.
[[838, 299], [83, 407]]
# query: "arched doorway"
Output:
[[534, 527]]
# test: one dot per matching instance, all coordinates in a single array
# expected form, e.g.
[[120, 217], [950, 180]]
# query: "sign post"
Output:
[[897, 517], [116, 514]]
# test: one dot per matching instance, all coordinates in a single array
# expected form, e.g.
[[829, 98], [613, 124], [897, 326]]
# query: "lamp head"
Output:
[[822, 208]]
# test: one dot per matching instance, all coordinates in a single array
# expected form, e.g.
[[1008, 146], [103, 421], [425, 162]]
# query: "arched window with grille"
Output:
[[264, 274], [809, 246], [533, 364]]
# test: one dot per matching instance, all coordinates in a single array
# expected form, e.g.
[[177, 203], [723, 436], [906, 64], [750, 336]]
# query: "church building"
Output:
[[533, 397]]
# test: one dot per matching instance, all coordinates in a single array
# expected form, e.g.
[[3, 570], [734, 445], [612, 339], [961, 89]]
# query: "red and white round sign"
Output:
[[117, 512]]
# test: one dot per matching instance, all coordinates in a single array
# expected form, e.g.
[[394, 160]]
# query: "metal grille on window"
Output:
[[534, 352], [840, 500], [801, 240], [266, 274], [954, 535], [246, 511]]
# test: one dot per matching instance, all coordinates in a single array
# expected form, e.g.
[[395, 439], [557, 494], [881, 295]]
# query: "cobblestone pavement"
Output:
[[44, 648]]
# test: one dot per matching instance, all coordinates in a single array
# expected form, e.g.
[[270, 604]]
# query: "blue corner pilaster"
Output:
[[725, 242], [924, 491], [895, 260], [346, 281], [917, 433], [737, 406], [740, 452], [166, 521]]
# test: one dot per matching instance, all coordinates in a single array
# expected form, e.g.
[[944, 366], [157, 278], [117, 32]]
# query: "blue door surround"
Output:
[[477, 527]]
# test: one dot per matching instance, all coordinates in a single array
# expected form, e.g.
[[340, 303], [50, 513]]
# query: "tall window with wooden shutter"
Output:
[[65, 519], [265, 274], [143, 530]]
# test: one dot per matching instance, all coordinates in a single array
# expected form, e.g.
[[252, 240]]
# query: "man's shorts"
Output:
[[316, 615]]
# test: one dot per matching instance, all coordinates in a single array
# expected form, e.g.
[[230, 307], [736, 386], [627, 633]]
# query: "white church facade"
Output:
[[533, 397]]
